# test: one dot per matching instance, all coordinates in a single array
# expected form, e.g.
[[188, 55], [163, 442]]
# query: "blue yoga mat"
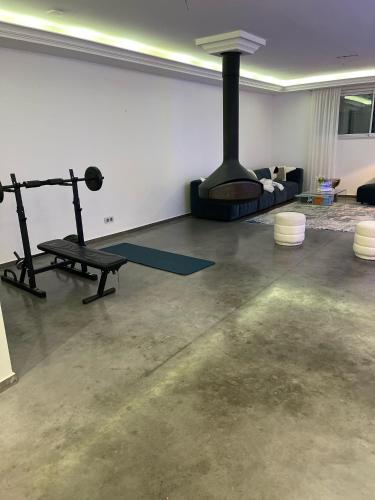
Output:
[[166, 261]]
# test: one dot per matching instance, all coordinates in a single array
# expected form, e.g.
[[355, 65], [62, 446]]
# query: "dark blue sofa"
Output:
[[223, 210]]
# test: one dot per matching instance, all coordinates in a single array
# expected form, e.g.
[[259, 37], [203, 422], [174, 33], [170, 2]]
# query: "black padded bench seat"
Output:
[[74, 253], [83, 255]]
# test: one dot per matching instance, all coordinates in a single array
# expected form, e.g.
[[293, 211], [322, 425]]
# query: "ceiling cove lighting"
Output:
[[330, 77], [83, 33], [58, 26]]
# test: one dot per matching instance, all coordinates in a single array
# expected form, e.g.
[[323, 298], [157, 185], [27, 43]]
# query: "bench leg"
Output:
[[101, 289]]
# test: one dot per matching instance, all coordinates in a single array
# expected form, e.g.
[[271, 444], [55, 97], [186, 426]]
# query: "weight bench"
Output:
[[74, 253]]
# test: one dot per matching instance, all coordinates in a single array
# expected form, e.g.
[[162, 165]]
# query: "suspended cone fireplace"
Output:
[[231, 181]]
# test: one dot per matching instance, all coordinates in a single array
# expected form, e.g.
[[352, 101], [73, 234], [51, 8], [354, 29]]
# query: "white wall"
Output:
[[290, 131], [5, 367], [355, 163], [256, 118], [149, 134]]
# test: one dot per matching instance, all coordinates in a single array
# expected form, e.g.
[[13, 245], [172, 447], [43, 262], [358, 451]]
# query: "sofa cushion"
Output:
[[263, 173], [213, 210], [291, 189], [280, 196], [266, 200], [248, 208], [296, 175]]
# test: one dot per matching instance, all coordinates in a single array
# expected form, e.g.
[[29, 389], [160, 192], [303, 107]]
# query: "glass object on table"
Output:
[[320, 198]]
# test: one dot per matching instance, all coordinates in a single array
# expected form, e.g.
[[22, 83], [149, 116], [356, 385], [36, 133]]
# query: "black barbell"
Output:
[[93, 179]]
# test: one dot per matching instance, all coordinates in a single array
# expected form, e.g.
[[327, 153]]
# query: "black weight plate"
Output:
[[93, 178], [1, 193]]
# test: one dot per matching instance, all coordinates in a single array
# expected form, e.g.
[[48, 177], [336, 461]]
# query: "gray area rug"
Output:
[[340, 216]]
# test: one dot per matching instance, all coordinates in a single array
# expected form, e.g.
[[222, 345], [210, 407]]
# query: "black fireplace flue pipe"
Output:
[[231, 181], [231, 97]]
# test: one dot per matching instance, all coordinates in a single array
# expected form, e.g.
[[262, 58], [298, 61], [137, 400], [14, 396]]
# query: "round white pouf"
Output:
[[289, 228], [364, 240]]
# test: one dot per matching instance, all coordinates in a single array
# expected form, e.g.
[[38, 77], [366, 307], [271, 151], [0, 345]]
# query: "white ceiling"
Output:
[[304, 37]]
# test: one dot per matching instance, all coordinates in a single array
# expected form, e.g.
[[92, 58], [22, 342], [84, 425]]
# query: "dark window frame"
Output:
[[371, 128]]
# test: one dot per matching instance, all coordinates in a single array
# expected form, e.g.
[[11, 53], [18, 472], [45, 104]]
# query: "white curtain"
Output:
[[323, 135]]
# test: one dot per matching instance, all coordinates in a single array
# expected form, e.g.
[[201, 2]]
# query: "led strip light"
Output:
[[87, 34]]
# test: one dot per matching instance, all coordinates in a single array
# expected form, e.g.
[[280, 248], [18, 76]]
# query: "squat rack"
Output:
[[94, 180]]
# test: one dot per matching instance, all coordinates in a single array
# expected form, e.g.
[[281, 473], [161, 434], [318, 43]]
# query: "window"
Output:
[[357, 114]]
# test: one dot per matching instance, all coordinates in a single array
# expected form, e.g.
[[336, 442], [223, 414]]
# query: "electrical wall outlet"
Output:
[[108, 220]]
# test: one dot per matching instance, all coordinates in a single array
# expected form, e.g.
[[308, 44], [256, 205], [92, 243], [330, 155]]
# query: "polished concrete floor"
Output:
[[252, 379]]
